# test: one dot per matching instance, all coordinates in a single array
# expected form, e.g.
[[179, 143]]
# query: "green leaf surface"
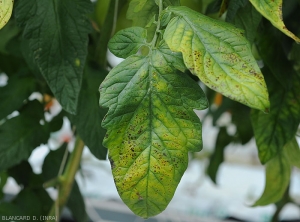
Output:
[[141, 13], [272, 10], [89, 115], [20, 135], [127, 41], [223, 139], [38, 199], [151, 126], [219, 55], [233, 7], [10, 209], [272, 51], [278, 172], [6, 7], [292, 152], [58, 37], [272, 131], [246, 18], [19, 88]]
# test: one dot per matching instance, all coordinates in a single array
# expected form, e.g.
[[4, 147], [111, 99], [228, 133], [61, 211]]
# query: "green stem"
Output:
[[67, 179], [106, 32], [154, 40]]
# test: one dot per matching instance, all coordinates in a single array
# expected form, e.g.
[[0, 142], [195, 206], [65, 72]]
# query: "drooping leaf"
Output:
[[292, 152], [58, 37], [278, 172], [19, 88], [240, 115], [272, 131], [127, 41], [21, 173], [223, 139], [89, 115], [272, 10], [219, 55], [151, 126], [246, 17], [6, 7], [20, 135]]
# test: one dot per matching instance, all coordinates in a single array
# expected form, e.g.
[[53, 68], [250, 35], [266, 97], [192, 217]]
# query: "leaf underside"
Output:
[[6, 7], [272, 10], [219, 55], [151, 126], [58, 36]]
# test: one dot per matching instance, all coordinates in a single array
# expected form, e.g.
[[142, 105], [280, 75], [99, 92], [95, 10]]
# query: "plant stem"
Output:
[[153, 42], [67, 179]]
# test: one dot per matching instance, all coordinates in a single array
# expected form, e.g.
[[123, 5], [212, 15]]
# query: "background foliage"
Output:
[[58, 50]]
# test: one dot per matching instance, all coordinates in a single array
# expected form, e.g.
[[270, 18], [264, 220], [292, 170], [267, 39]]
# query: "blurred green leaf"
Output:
[[292, 152], [3, 180], [245, 17], [34, 202], [278, 172], [89, 116], [272, 52], [215, 160], [272, 131], [10, 209], [20, 135], [58, 37], [19, 88]]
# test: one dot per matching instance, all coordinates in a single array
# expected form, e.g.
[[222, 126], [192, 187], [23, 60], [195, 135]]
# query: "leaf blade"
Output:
[[58, 37], [219, 55], [278, 171], [6, 7], [127, 41], [150, 128], [274, 130], [272, 10]]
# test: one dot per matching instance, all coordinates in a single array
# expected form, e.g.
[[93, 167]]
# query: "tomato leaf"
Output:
[[278, 172], [219, 55], [127, 41], [6, 7], [19, 88], [272, 10], [151, 126], [58, 37], [20, 135], [246, 17], [272, 131], [292, 152], [215, 160], [89, 116]]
